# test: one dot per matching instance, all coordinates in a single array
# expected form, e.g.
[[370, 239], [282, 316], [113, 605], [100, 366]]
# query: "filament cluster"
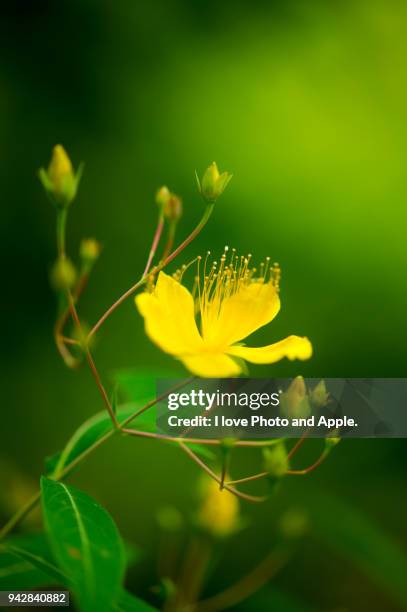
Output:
[[220, 280]]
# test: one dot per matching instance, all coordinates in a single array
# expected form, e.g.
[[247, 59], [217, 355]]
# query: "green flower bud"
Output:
[[170, 203], [89, 251], [319, 396], [294, 402], [63, 274], [331, 442], [162, 196], [213, 184], [60, 181], [276, 461]]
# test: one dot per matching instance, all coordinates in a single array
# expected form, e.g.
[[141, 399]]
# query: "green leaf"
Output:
[[16, 574], [141, 385], [50, 463], [276, 461], [85, 543], [354, 536], [130, 603], [133, 553], [35, 550], [99, 426], [95, 428], [137, 385], [26, 562]]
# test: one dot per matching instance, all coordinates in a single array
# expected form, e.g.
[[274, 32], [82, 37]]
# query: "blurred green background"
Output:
[[305, 102]]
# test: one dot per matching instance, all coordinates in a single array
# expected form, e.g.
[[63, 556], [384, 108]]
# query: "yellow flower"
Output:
[[219, 511], [232, 303]]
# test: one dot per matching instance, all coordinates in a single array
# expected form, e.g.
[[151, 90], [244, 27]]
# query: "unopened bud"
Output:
[[319, 396], [331, 442], [89, 251], [170, 203], [276, 461], [294, 402], [213, 184], [63, 274], [162, 196], [60, 167], [60, 181]]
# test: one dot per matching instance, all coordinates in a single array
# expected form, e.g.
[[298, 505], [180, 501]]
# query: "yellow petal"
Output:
[[169, 316], [251, 307], [211, 365], [293, 347]]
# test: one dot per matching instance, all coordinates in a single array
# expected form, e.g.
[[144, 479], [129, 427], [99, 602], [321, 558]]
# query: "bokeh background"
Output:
[[305, 102]]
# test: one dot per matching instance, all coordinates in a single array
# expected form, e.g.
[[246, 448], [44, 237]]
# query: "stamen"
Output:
[[185, 267], [266, 269], [276, 275], [222, 279]]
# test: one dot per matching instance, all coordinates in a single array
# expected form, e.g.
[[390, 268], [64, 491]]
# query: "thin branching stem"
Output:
[[155, 270], [20, 515], [310, 468], [91, 362], [33, 501], [211, 473], [298, 445], [155, 243], [248, 478], [100, 386], [170, 239], [155, 401], [60, 339], [156, 436]]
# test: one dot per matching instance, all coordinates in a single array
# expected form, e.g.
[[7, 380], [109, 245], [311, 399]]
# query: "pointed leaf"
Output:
[[16, 574], [26, 562], [34, 549], [85, 543], [137, 385]]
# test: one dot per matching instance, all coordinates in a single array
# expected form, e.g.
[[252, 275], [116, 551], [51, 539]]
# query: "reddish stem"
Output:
[[155, 243]]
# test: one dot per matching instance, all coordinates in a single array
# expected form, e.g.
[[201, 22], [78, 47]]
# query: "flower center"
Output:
[[219, 281]]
